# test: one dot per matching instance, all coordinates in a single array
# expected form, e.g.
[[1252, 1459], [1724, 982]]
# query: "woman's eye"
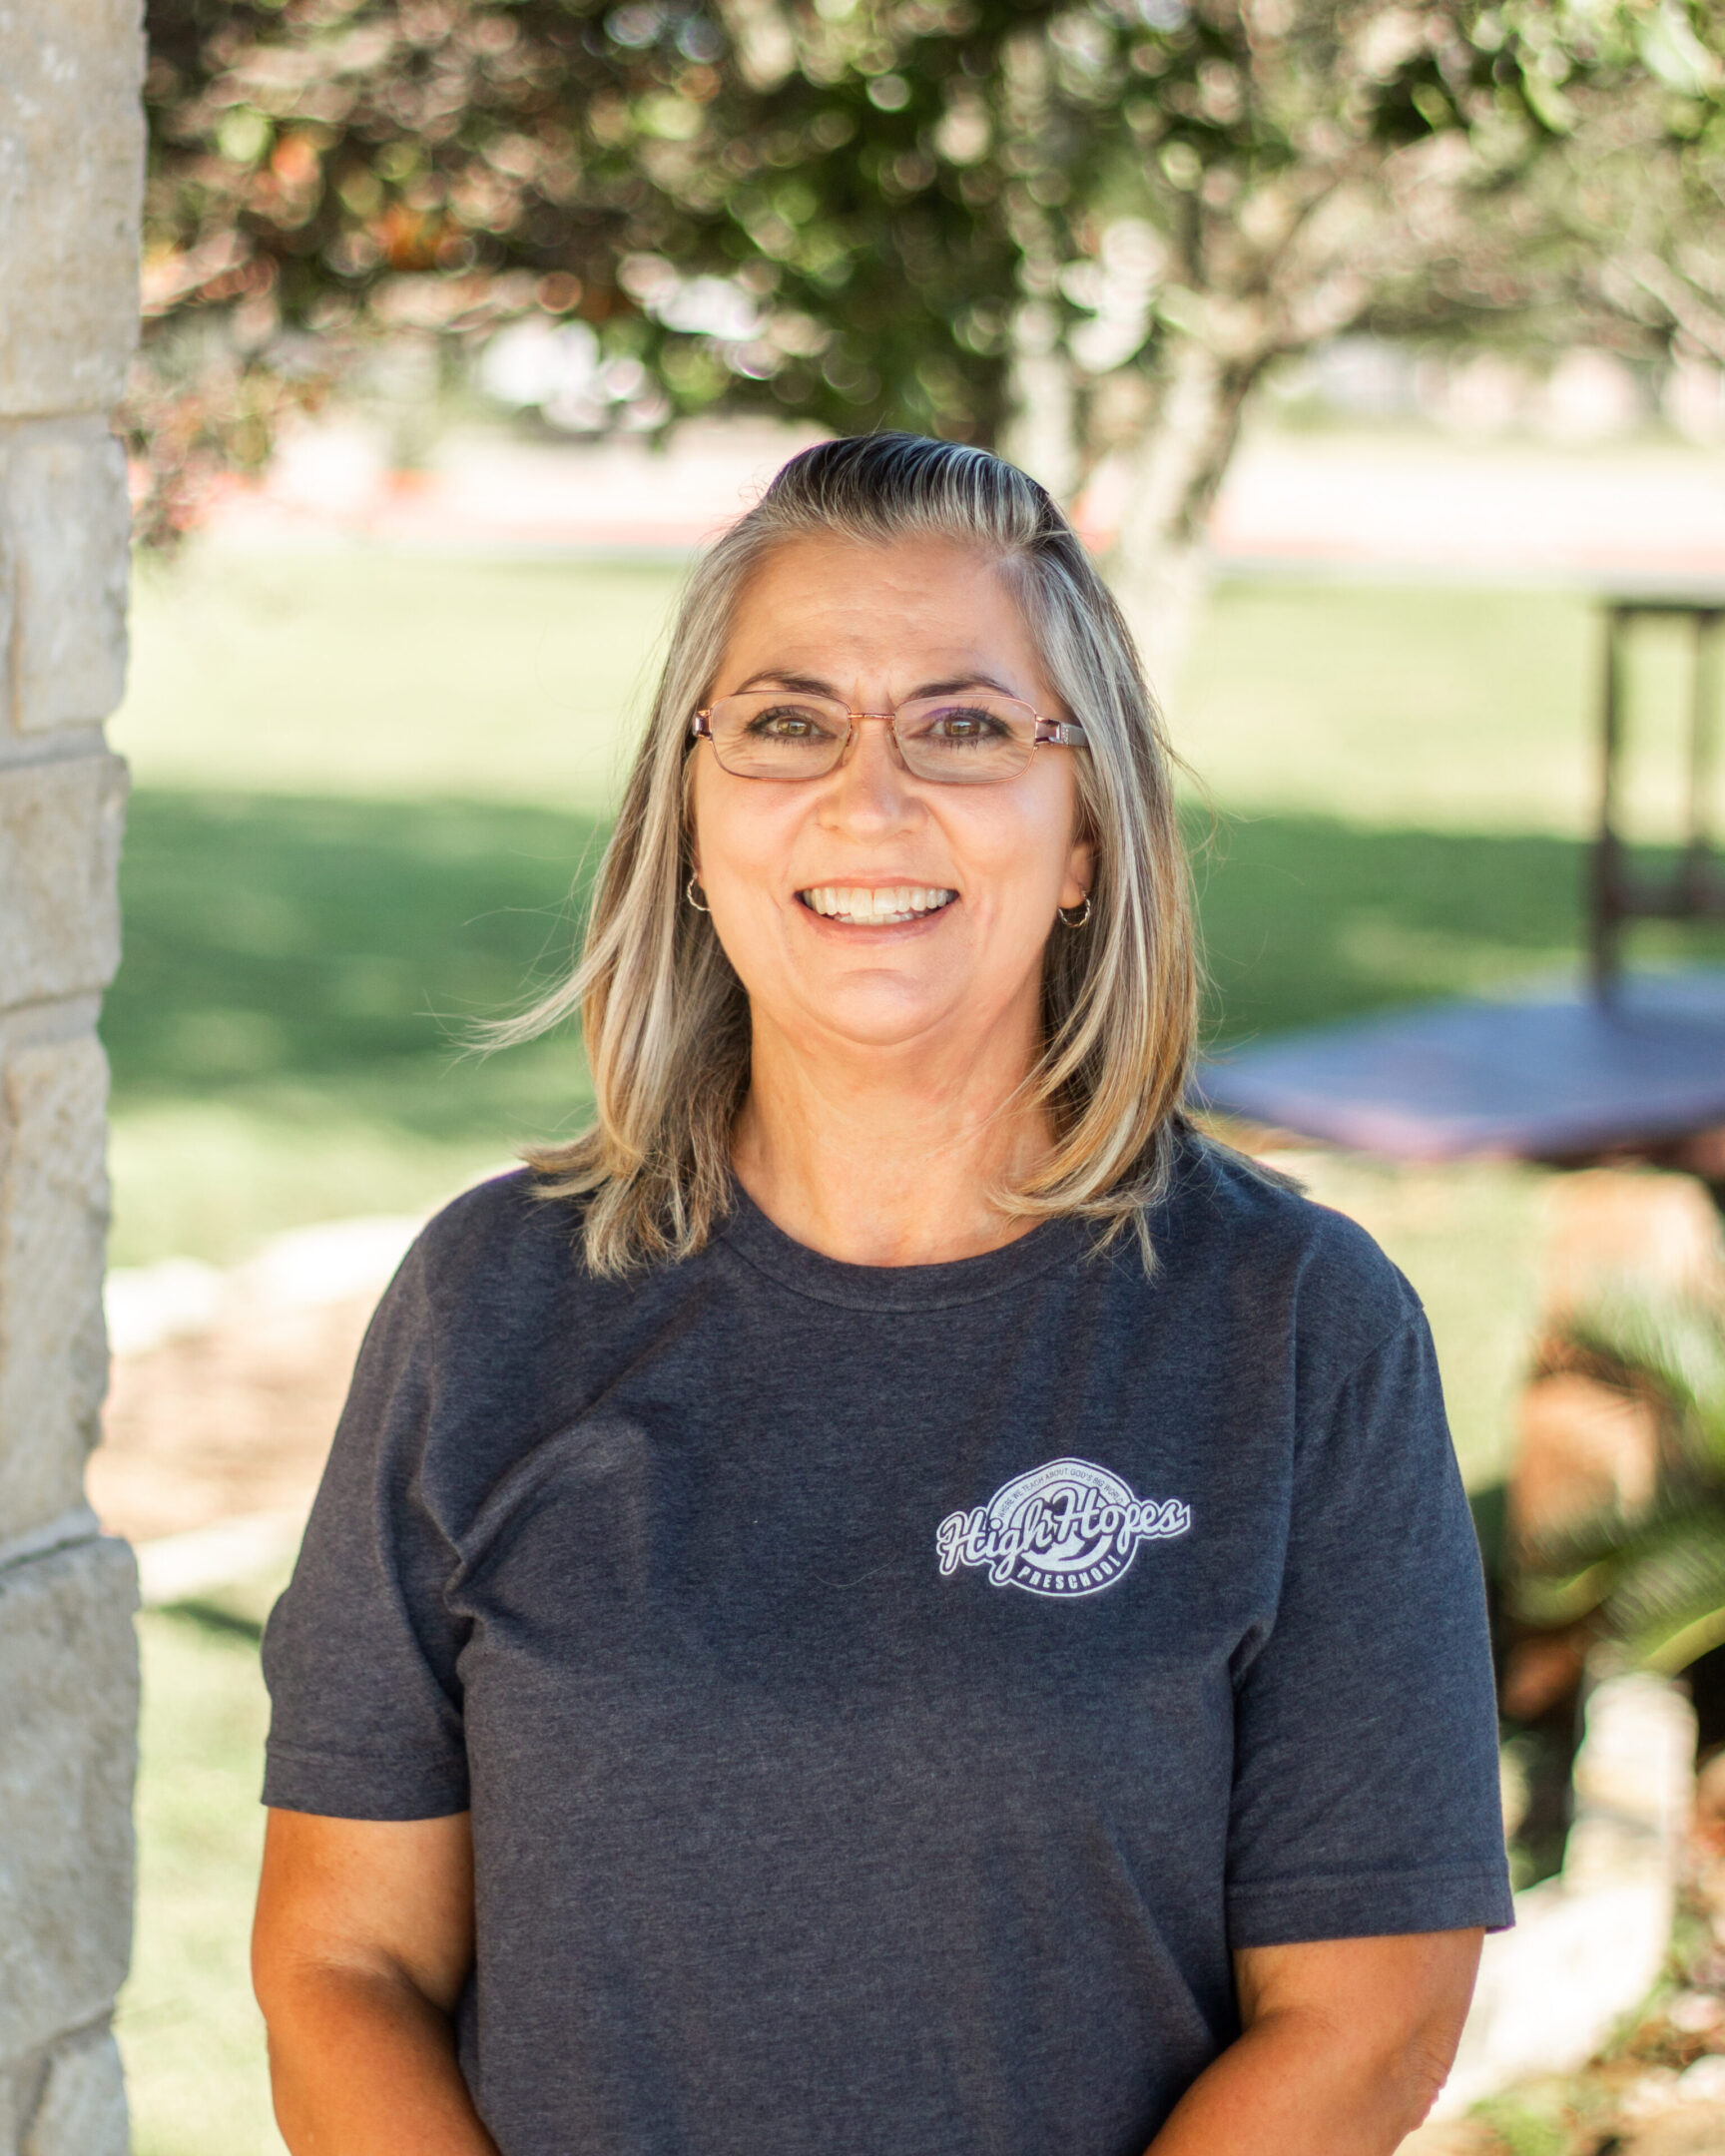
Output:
[[962, 725], [786, 723]]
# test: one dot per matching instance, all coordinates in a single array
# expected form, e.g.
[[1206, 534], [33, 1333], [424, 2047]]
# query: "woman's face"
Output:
[[780, 862]]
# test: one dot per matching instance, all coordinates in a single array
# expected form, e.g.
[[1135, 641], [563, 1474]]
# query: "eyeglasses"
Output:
[[970, 739]]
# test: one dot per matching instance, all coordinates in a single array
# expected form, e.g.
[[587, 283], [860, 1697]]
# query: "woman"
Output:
[[890, 1597]]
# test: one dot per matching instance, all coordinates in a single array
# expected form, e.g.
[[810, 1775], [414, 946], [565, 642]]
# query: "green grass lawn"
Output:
[[298, 1050], [371, 789], [190, 2036], [391, 675]]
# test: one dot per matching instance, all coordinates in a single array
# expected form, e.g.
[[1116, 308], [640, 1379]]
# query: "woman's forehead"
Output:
[[832, 598]]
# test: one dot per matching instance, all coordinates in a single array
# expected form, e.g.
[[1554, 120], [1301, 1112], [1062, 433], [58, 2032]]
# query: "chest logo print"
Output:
[[1069, 1528]]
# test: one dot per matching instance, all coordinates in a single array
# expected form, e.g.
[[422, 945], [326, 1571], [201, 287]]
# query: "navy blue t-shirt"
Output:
[[886, 1694]]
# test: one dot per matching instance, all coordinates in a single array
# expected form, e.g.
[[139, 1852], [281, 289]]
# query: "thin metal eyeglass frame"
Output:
[[1060, 733]]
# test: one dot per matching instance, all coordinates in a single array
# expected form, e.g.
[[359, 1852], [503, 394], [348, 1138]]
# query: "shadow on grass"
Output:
[[1307, 918], [213, 1617], [339, 946]]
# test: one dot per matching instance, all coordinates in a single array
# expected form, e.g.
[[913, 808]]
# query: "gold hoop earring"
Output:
[[1083, 913], [689, 893]]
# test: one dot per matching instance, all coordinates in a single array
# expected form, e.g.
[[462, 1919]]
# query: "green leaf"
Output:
[[1670, 50], [1668, 1604]]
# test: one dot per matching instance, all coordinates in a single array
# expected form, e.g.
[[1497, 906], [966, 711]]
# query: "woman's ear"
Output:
[[1080, 874]]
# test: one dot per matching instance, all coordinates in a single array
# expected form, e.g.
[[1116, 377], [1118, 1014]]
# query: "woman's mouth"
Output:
[[881, 908]]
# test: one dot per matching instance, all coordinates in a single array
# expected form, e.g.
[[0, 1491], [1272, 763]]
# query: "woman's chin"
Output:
[[879, 1016]]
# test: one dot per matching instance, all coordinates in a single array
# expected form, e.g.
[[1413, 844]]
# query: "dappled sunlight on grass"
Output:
[[368, 781], [212, 1179], [1308, 918]]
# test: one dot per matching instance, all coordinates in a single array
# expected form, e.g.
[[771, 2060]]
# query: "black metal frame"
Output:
[[1619, 894]]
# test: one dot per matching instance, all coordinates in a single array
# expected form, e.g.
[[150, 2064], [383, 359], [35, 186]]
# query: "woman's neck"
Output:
[[888, 1158]]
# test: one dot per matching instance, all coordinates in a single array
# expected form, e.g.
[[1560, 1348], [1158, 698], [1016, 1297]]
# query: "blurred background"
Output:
[[1376, 351]]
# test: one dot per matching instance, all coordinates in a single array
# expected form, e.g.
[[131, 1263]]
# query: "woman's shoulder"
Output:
[[1260, 1226], [502, 1234]]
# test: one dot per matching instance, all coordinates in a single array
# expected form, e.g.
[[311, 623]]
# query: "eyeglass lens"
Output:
[[965, 739]]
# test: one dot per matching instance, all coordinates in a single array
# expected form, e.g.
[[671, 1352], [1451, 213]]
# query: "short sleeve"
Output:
[[1366, 1789], [360, 1654]]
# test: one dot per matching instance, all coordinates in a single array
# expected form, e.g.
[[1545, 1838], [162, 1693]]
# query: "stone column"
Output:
[[70, 151]]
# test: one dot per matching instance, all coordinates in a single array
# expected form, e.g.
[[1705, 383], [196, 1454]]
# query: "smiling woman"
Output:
[[1017, 770], [889, 1598], [812, 877]]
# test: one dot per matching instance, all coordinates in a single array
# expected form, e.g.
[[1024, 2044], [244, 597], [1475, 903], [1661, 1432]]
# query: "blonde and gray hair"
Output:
[[664, 1015]]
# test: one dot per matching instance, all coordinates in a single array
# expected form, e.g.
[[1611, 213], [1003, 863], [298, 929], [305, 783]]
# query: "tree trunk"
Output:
[[1041, 432], [1040, 436], [1159, 564]]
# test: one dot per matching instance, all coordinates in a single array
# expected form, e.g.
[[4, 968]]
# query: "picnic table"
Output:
[[1626, 1062]]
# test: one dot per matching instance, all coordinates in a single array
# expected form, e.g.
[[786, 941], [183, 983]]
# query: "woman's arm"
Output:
[[362, 1942], [1346, 2043]]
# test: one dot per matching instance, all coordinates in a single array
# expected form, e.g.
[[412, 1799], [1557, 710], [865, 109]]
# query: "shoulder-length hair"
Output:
[[665, 1017]]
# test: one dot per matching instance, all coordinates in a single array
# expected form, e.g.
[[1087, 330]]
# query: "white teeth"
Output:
[[871, 907]]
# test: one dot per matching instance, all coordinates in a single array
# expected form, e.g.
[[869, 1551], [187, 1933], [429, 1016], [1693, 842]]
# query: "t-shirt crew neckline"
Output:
[[805, 1271]]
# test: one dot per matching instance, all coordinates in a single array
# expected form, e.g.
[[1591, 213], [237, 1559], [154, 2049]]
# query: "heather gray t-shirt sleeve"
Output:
[[1372, 1683], [360, 1659]]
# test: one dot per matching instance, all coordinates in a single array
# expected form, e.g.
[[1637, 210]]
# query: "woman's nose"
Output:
[[869, 788]]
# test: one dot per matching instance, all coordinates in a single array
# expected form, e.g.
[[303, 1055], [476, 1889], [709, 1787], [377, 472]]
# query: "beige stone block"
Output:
[[68, 534], [18, 2084], [1589, 1945], [69, 1680], [71, 187], [53, 1226], [82, 2111], [60, 831]]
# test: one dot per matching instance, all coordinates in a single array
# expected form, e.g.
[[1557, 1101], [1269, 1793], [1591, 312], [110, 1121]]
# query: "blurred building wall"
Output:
[[70, 151]]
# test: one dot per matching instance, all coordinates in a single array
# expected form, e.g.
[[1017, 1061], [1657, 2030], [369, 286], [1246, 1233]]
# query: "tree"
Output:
[[1069, 228], [1303, 168], [749, 206], [1641, 190]]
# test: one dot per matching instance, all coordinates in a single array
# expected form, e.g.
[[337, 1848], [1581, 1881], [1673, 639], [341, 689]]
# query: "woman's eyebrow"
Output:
[[777, 677], [960, 681], [811, 685]]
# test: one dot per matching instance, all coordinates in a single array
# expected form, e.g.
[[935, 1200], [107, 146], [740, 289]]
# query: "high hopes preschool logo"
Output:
[[1069, 1528]]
